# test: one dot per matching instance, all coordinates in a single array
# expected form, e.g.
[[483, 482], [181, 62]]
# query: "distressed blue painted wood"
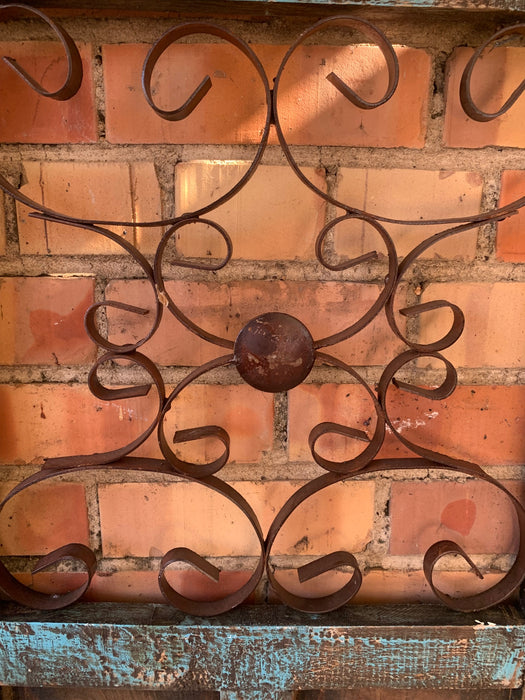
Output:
[[261, 648], [269, 7]]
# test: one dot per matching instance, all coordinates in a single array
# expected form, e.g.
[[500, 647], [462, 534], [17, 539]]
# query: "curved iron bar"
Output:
[[184, 30], [162, 292], [469, 106], [515, 575], [387, 50], [74, 75], [29, 597]]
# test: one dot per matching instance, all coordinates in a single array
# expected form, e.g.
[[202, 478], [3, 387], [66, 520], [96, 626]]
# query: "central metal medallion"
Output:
[[274, 352]]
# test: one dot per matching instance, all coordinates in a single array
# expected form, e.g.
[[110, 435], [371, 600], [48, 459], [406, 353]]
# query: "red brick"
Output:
[[42, 518], [139, 586], [44, 420], [254, 218], [148, 519], [382, 587], [510, 242], [476, 515], [494, 334], [28, 118], [143, 586], [42, 321], [410, 195], [233, 111], [324, 307], [313, 111], [111, 191], [483, 424], [495, 76], [245, 413]]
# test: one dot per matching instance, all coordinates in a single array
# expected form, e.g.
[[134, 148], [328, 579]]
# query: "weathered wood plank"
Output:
[[266, 648], [280, 7]]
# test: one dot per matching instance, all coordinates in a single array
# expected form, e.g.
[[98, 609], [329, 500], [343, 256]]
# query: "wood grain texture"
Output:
[[266, 649], [281, 7]]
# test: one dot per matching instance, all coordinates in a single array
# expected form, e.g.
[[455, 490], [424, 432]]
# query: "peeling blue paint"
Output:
[[256, 649], [508, 5]]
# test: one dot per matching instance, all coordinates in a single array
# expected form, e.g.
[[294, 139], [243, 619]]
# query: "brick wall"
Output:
[[105, 154]]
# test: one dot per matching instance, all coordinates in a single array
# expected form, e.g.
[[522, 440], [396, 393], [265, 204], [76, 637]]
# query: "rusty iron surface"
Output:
[[274, 352]]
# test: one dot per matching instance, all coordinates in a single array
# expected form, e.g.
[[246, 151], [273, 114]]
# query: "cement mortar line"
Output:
[[107, 566], [427, 158], [119, 267], [172, 375], [401, 27], [281, 471]]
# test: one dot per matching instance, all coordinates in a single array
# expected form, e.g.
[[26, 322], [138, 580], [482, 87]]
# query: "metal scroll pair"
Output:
[[274, 352]]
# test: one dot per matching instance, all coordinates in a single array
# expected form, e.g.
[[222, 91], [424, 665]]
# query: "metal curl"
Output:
[[183, 554], [469, 106], [24, 595], [106, 394], [31, 598], [165, 41], [189, 468], [501, 590], [443, 391], [73, 79], [390, 280], [315, 568], [350, 466], [90, 322], [458, 321], [163, 295]]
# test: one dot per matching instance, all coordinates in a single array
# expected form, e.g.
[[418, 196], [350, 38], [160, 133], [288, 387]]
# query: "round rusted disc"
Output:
[[274, 352]]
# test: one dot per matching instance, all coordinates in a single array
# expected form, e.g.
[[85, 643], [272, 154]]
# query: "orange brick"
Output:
[[143, 587], [510, 242], [28, 118], [46, 420], [476, 515], [111, 191], [51, 581], [233, 111], [149, 519], [324, 307], [483, 424], [495, 76], [386, 587], [42, 518], [313, 111], [43, 420], [245, 413], [274, 198], [139, 586], [41, 321], [410, 195], [494, 334]]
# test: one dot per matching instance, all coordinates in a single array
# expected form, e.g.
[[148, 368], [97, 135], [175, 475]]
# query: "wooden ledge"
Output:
[[262, 647], [275, 7]]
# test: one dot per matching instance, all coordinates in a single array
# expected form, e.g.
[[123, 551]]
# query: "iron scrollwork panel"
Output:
[[274, 352]]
